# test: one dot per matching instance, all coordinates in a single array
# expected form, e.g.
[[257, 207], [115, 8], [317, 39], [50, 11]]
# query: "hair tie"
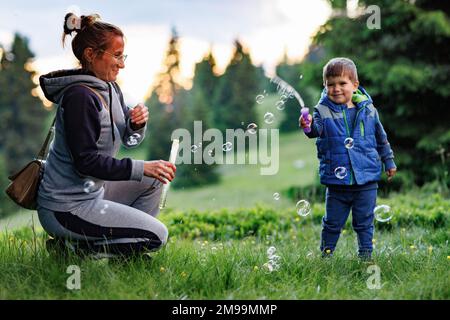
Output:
[[73, 23]]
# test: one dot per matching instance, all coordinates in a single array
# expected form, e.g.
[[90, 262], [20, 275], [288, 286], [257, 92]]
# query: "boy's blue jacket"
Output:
[[371, 148]]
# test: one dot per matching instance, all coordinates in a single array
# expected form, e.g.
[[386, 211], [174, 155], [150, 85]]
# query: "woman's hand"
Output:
[[162, 170], [139, 116]]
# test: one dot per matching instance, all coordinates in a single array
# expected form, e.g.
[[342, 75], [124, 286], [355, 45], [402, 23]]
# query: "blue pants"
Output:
[[338, 204]]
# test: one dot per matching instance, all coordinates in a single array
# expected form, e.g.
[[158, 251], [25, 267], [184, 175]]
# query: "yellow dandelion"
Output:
[[183, 274], [412, 247], [205, 242], [297, 219], [255, 268], [344, 231], [430, 249], [328, 251], [162, 269], [448, 257], [374, 240]]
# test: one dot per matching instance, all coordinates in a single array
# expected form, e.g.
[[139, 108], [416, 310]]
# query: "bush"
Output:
[[416, 209]]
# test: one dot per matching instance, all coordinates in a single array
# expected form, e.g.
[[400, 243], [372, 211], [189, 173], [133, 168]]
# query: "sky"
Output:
[[267, 29]]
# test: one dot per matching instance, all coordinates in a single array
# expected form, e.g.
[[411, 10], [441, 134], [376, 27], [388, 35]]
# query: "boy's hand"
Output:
[[391, 173], [303, 123]]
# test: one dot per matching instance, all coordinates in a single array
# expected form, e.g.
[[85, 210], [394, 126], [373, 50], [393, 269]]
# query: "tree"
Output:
[[22, 112], [199, 109], [235, 97], [166, 103], [404, 65], [22, 115]]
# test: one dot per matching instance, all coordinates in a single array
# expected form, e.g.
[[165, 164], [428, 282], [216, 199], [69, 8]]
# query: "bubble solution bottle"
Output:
[[172, 159], [305, 113]]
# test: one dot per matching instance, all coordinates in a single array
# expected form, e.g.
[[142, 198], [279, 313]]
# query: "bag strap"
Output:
[[97, 94], [42, 153]]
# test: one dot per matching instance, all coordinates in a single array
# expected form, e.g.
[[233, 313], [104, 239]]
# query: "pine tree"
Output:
[[199, 109], [166, 103], [235, 97], [22, 112], [22, 115]]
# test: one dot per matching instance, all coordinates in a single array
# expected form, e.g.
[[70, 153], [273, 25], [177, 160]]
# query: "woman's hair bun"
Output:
[[71, 23], [74, 23]]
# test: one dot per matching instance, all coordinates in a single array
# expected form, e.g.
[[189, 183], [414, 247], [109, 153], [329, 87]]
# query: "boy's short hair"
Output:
[[337, 67]]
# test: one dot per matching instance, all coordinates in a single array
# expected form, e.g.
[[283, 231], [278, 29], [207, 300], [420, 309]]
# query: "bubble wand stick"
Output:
[[172, 159]]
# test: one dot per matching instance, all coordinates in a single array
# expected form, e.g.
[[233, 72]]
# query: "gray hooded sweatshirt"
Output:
[[86, 140]]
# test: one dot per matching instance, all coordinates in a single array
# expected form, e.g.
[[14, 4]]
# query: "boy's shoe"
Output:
[[365, 256]]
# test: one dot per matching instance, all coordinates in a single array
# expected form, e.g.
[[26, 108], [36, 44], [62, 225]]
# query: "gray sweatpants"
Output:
[[123, 218]]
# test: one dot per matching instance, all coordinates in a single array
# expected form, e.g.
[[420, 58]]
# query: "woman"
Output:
[[86, 194]]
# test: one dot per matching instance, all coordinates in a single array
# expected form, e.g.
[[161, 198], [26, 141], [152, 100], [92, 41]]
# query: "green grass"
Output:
[[234, 269], [221, 255]]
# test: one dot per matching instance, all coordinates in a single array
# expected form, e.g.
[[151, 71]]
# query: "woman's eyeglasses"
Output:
[[120, 58]]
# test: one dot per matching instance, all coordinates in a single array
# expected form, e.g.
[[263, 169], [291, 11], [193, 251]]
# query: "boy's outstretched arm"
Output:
[[384, 149], [316, 124]]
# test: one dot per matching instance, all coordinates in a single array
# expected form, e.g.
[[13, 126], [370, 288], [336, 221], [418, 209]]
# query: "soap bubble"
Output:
[[301, 76], [274, 259], [280, 105], [298, 164], [348, 143], [227, 146], [10, 56], [259, 98], [271, 250], [303, 208], [251, 128], [268, 266], [382, 213], [211, 153], [269, 118], [194, 148], [275, 266], [340, 172], [88, 186], [276, 196]]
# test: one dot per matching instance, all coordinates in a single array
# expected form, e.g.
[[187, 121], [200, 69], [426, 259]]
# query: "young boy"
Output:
[[351, 146]]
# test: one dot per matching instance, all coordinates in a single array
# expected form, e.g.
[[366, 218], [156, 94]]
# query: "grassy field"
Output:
[[413, 264]]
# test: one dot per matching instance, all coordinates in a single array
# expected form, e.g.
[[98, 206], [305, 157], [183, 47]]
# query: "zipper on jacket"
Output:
[[348, 134], [348, 131], [361, 128]]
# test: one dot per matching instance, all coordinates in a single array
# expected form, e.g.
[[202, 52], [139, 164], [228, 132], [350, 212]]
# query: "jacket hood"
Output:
[[363, 99], [54, 84]]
